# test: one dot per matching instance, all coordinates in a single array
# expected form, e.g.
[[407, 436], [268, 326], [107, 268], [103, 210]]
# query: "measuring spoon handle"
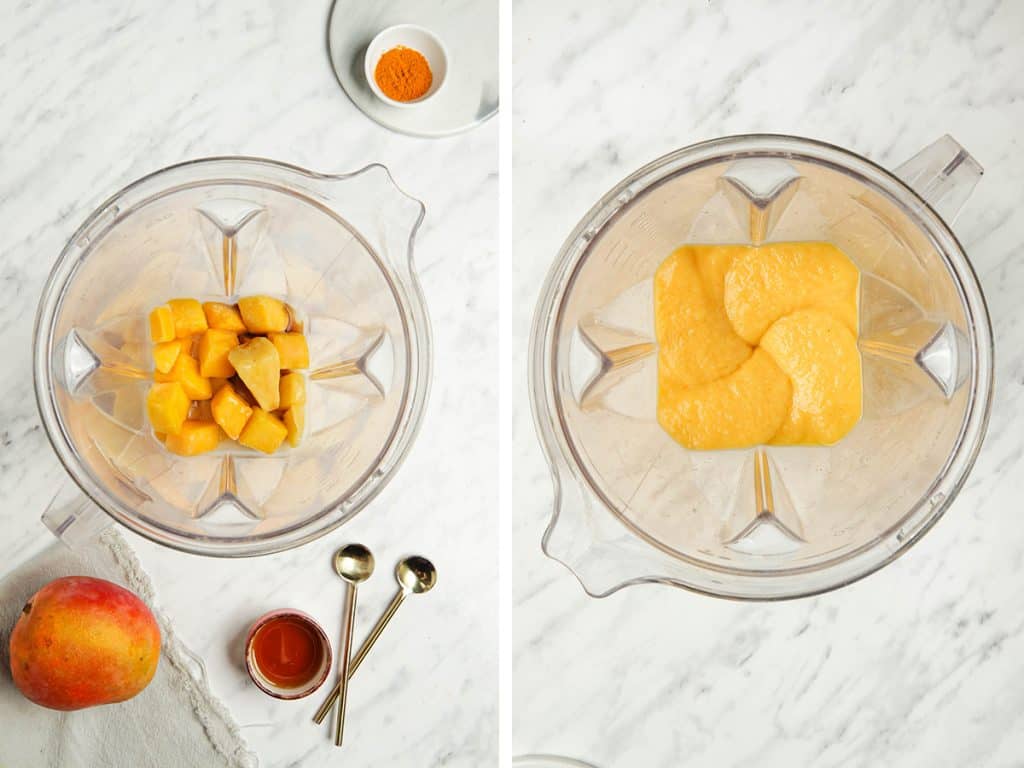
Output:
[[345, 665], [360, 654]]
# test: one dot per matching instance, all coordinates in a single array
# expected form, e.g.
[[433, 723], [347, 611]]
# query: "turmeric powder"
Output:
[[403, 74]]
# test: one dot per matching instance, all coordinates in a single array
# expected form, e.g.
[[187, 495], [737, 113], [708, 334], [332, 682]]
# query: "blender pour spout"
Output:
[[944, 174], [73, 518]]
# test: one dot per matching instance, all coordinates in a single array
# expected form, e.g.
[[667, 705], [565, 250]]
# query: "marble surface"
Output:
[[96, 94], [915, 666]]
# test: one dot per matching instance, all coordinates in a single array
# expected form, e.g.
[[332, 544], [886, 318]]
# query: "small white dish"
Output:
[[409, 36]]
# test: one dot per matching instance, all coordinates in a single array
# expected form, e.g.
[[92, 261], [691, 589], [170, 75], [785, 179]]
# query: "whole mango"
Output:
[[81, 642]]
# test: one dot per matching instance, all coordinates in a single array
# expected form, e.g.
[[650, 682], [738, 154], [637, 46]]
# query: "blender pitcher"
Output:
[[336, 249], [771, 522]]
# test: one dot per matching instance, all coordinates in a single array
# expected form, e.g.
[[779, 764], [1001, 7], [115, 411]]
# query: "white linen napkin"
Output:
[[175, 721]]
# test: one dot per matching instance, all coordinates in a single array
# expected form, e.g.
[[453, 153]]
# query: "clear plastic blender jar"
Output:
[[632, 505], [338, 249]]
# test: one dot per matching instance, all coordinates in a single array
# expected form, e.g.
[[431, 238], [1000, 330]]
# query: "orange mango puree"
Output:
[[757, 345]]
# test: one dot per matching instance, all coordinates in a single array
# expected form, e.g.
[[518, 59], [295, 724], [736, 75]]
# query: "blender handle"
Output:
[[944, 174]]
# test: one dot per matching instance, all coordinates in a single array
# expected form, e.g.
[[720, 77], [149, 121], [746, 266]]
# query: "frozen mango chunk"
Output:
[[773, 280], [293, 390], [743, 409], [189, 319], [295, 422], [230, 411], [194, 438], [186, 372], [223, 317], [258, 365], [292, 348], [161, 324], [819, 355], [165, 354], [214, 346], [263, 314], [264, 432], [696, 343], [167, 407]]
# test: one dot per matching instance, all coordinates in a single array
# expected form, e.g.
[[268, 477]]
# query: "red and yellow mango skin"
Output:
[[81, 642]]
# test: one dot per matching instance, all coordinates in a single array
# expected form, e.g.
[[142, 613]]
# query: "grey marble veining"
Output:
[[914, 666], [96, 94]]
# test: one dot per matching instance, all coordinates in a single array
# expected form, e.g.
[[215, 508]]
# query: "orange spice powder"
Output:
[[403, 74]]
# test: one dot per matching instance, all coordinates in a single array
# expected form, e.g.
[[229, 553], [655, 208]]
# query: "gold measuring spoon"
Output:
[[354, 564], [415, 575]]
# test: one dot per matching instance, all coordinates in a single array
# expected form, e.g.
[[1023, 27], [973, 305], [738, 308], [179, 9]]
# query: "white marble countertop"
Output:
[[915, 666], [96, 94]]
